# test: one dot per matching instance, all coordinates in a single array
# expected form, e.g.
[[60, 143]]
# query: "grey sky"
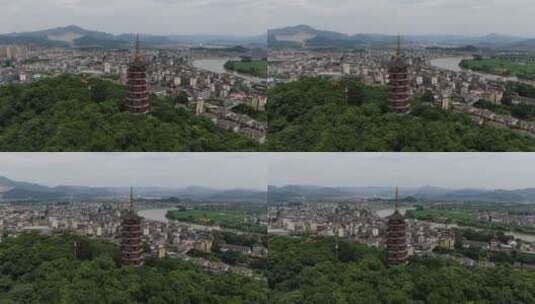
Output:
[[472, 17], [240, 17], [252, 17], [256, 170], [451, 170], [216, 170]]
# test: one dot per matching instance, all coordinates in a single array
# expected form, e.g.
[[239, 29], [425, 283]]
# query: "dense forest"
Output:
[[48, 269], [312, 271], [316, 114], [69, 114]]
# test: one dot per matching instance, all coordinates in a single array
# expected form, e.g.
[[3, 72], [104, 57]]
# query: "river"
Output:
[[453, 64], [217, 65]]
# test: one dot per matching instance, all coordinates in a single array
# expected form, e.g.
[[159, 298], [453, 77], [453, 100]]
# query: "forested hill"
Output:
[[41, 269], [315, 114], [311, 271], [67, 114], [47, 269]]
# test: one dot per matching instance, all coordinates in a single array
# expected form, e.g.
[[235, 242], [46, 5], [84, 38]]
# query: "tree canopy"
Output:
[[47, 269], [317, 114], [68, 114], [312, 271]]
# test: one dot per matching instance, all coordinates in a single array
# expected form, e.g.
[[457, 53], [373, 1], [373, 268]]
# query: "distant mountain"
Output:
[[304, 193], [250, 41], [14, 190], [239, 195], [498, 39], [306, 36], [196, 193], [75, 36], [315, 193], [524, 45]]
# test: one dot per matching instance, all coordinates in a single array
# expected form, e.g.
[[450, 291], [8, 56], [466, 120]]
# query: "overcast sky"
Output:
[[256, 170], [470, 17], [240, 17], [450, 170], [215, 170], [252, 17]]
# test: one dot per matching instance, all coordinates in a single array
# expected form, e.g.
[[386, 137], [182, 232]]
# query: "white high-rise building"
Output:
[[346, 69], [107, 68]]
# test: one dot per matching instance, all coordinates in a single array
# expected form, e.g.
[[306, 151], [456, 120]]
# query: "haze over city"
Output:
[[176, 170], [449, 170]]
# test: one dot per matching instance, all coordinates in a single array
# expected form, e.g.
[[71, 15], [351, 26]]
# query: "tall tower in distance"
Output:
[[396, 237], [131, 245], [399, 90], [137, 92]]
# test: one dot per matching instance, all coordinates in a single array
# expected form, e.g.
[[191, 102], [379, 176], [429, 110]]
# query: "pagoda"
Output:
[[137, 92], [131, 245], [399, 90], [396, 237]]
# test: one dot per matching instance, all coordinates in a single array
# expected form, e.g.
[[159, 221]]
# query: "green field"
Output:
[[257, 68], [230, 219], [501, 67]]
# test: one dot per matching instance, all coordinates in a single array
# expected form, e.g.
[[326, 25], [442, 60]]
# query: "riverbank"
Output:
[[160, 215], [217, 65], [453, 64], [501, 68]]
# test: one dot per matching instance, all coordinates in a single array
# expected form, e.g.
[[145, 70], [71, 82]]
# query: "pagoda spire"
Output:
[[397, 199], [131, 207], [137, 49], [398, 47]]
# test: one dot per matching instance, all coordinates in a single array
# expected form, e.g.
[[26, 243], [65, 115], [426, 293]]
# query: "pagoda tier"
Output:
[[399, 91], [131, 243], [137, 89], [396, 239], [137, 93]]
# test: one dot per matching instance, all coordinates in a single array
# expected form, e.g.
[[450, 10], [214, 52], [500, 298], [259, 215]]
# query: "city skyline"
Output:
[[222, 171]]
